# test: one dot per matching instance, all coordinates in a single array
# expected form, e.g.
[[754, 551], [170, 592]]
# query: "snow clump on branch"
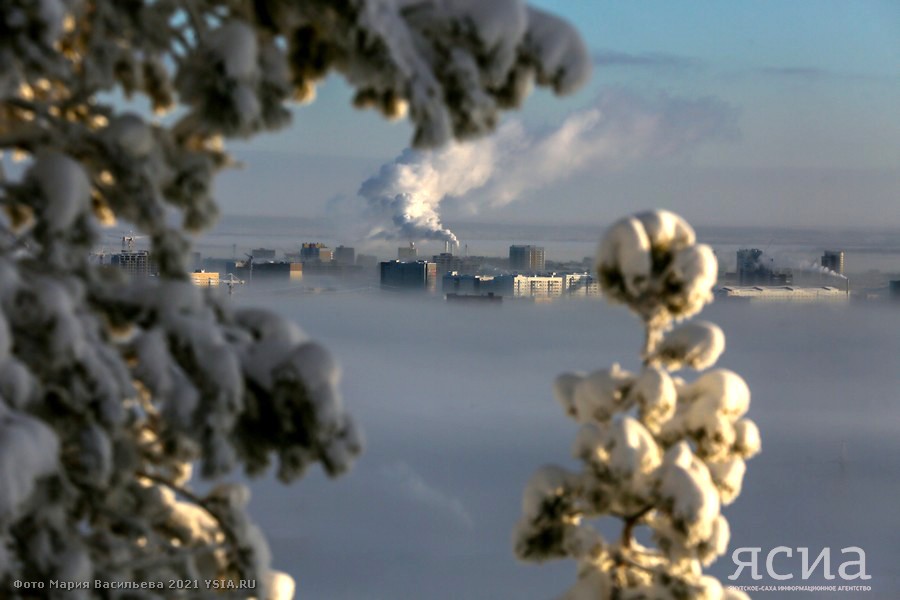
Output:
[[657, 451], [113, 390]]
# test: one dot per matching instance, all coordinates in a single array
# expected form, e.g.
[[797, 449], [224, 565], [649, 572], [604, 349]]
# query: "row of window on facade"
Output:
[[423, 275]]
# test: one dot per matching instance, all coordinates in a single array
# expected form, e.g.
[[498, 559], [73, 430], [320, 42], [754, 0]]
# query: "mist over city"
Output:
[[458, 412], [449, 299], [457, 402]]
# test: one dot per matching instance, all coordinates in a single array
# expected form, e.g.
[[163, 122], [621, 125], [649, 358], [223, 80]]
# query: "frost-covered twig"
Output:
[[630, 522]]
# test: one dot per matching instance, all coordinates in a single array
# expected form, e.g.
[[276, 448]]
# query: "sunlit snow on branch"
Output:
[[112, 390], [658, 451]]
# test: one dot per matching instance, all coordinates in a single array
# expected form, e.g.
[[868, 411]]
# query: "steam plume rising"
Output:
[[813, 267], [403, 200], [800, 266]]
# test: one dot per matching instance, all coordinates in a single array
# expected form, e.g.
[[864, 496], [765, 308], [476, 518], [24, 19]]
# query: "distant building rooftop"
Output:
[[202, 278], [786, 293]]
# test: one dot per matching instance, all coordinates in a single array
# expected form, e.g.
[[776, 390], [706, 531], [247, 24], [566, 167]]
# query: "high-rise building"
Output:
[[344, 255], [407, 252], [753, 269], [222, 266], [581, 284], [533, 286], [529, 259], [418, 275], [750, 268], [447, 262], [894, 289], [136, 263], [367, 261], [454, 282], [834, 261], [266, 269], [314, 252], [522, 286]]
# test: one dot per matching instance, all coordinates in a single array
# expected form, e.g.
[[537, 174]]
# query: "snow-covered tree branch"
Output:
[[659, 452], [111, 390]]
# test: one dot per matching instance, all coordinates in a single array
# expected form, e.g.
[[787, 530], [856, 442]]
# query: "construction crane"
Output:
[[100, 255], [230, 280], [128, 242]]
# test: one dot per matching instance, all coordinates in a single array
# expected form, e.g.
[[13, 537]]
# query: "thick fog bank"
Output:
[[457, 410]]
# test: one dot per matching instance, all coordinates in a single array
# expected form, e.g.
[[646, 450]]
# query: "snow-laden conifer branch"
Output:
[[111, 390], [657, 451]]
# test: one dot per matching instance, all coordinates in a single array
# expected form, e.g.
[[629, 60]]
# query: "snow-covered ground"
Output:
[[457, 410]]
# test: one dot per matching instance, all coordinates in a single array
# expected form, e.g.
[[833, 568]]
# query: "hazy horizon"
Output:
[[866, 249]]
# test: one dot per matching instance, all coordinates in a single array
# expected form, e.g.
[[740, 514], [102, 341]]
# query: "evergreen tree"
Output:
[[110, 390]]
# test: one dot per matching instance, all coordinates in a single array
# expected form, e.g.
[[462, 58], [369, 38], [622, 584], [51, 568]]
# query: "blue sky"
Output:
[[814, 84], [820, 79]]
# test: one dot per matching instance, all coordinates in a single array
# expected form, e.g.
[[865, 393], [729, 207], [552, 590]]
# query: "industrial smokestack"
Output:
[[447, 249]]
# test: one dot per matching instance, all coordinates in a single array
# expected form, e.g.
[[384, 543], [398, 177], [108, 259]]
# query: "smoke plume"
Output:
[[780, 262], [403, 200], [805, 266], [814, 268]]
